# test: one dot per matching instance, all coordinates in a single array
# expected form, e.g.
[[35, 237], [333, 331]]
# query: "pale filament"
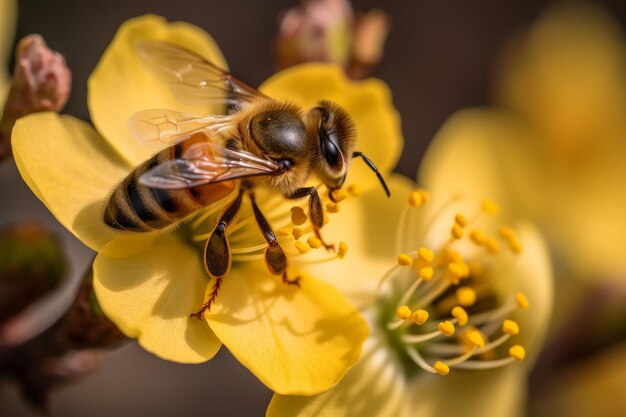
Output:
[[434, 292], [416, 339], [460, 359], [387, 274], [498, 363], [449, 349], [417, 358], [492, 315]]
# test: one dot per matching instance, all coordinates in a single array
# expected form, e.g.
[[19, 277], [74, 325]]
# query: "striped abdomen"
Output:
[[139, 208]]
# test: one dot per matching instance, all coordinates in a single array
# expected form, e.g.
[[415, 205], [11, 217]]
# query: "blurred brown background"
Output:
[[439, 58]]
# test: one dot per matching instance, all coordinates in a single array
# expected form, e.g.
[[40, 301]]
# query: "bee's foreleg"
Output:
[[275, 257], [316, 212], [217, 257]]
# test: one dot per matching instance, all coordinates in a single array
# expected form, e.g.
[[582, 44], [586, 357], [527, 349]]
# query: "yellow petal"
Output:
[[495, 393], [149, 296], [121, 85], [488, 153], [295, 340], [530, 272], [478, 153], [8, 19], [371, 242], [71, 169], [368, 102], [375, 387]]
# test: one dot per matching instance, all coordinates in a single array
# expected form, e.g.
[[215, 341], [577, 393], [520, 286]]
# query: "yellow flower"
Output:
[[8, 19], [295, 340], [554, 150], [450, 320]]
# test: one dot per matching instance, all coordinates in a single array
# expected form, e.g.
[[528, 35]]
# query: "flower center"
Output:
[[290, 223], [444, 310]]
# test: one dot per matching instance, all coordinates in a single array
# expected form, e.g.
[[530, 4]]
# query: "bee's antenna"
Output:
[[370, 164]]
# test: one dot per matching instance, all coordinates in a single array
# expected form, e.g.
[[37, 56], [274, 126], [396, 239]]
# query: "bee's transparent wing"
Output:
[[171, 127], [208, 163], [193, 79]]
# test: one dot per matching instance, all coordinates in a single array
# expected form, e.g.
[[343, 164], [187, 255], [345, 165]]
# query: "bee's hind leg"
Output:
[[217, 257], [275, 257], [316, 212]]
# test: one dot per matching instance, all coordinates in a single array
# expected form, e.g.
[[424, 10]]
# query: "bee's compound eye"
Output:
[[331, 153]]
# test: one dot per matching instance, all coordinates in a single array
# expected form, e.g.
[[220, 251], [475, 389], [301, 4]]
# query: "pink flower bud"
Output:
[[317, 30], [42, 80]]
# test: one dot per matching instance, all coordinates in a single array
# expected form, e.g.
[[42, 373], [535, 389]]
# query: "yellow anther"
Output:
[[342, 250], [455, 269], [332, 207], [404, 260], [425, 255], [489, 206], [510, 327], [446, 328], [302, 247], [522, 301], [415, 199], [466, 296], [284, 232], [314, 242], [353, 189], [450, 255], [338, 195], [424, 194], [515, 245], [441, 368], [477, 236], [403, 312], [326, 219], [492, 245], [457, 231], [461, 220], [518, 352], [296, 233], [468, 343], [426, 273], [476, 338], [298, 216], [507, 233], [419, 316], [460, 315]]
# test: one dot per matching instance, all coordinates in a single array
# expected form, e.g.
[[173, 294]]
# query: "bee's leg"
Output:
[[275, 258], [217, 257], [316, 212]]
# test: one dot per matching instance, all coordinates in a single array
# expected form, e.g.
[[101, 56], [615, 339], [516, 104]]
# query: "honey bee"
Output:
[[261, 142]]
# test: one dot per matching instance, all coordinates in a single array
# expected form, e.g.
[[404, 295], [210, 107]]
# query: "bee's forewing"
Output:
[[170, 127], [193, 79], [208, 163]]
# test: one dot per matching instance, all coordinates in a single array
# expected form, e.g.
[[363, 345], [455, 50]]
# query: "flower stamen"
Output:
[[456, 290]]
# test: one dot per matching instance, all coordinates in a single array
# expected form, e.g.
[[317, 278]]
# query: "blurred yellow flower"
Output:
[[555, 148], [468, 298], [295, 340]]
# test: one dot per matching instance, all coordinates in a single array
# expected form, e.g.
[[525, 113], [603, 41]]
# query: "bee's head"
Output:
[[333, 132]]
